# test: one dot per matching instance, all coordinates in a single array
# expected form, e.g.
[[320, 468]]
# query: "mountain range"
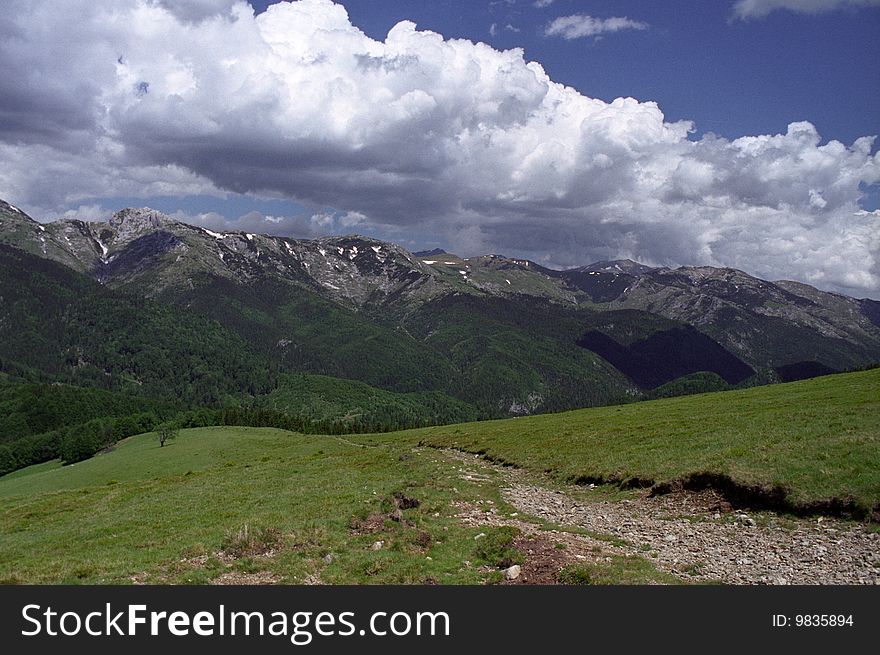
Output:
[[144, 304]]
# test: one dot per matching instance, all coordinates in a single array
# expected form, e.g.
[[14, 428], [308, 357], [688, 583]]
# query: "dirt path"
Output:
[[695, 535]]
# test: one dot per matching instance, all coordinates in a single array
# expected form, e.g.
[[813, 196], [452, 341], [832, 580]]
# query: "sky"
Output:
[[727, 133]]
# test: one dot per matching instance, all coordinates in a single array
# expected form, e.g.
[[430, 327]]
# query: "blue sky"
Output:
[[744, 145]]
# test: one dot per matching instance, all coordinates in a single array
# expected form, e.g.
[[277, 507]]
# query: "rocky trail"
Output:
[[693, 536]]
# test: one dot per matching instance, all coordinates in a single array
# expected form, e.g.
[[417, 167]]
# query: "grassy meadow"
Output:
[[145, 513], [816, 439], [160, 514]]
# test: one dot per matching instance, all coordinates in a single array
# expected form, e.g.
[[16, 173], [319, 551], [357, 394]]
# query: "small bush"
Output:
[[247, 542], [620, 570], [574, 574], [496, 548], [83, 571], [247, 565]]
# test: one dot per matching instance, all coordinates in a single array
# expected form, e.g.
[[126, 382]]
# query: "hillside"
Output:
[[353, 406], [71, 329], [806, 444], [303, 508]]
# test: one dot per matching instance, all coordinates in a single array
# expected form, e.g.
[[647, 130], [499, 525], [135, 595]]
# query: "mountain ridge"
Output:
[[763, 324], [131, 222]]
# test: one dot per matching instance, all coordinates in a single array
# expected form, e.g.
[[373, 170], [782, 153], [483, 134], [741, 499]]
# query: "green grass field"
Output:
[[159, 514], [154, 514], [817, 439]]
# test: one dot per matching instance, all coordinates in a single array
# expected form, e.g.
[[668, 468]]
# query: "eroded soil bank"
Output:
[[696, 536]]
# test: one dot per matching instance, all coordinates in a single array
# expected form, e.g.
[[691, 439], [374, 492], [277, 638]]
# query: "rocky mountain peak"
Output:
[[617, 267], [12, 212], [139, 219], [430, 253]]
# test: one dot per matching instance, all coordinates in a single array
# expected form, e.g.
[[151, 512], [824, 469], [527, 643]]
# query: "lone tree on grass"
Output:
[[166, 432]]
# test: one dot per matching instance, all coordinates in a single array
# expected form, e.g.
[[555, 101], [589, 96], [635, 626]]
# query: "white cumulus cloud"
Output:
[[413, 136]]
